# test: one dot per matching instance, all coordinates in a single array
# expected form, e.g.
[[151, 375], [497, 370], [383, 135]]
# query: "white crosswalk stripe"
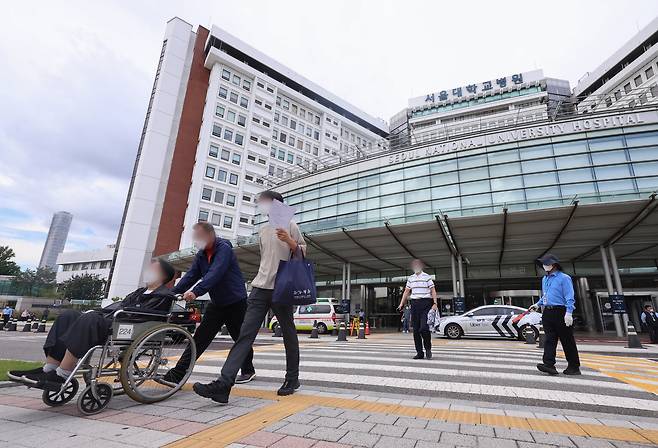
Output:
[[477, 373]]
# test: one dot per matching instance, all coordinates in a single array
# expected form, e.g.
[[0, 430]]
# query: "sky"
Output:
[[76, 77]]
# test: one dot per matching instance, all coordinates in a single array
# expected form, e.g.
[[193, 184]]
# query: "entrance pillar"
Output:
[[608, 283], [462, 290], [349, 281], [454, 276], [342, 285], [588, 309], [617, 278]]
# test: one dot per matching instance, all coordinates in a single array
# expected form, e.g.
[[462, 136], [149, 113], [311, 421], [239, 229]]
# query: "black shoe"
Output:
[[18, 375], [551, 370], [428, 354], [50, 381], [419, 356], [572, 371], [215, 390], [245, 378], [289, 387], [174, 376]]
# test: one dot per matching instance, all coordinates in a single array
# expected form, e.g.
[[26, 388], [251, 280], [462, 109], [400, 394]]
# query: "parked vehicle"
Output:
[[326, 311]]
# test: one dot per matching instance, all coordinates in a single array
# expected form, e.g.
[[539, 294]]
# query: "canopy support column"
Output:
[[462, 289], [617, 279], [608, 284], [342, 285], [454, 276]]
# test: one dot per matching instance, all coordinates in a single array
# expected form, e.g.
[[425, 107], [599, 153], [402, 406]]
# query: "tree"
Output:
[[7, 265], [83, 287], [34, 282]]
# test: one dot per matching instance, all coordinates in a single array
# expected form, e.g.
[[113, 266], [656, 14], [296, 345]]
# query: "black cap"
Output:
[[168, 270], [548, 259]]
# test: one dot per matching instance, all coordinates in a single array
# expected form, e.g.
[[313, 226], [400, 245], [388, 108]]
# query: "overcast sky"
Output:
[[76, 77]]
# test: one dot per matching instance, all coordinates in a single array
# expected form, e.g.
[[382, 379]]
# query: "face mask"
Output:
[[199, 244], [150, 276], [417, 269], [264, 208], [547, 267]]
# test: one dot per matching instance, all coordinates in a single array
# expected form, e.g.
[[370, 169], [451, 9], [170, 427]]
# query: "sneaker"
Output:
[[572, 371], [428, 354], [245, 378], [174, 376], [19, 375], [215, 390], [289, 387], [419, 356], [551, 370]]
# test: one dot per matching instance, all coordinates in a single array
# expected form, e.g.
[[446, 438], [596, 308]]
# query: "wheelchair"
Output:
[[142, 347]]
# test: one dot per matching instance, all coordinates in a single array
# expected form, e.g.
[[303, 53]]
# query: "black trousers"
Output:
[[258, 304], [214, 317], [653, 333], [5, 318], [76, 332], [422, 335], [555, 328]]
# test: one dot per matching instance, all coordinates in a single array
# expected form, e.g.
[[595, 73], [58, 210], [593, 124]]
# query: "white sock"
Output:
[[63, 373], [48, 367]]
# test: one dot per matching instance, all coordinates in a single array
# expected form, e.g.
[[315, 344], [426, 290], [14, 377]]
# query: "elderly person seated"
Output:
[[74, 333]]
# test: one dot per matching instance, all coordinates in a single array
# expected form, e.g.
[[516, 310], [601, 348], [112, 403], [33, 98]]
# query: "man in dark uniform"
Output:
[[217, 272], [650, 321], [74, 333], [557, 303]]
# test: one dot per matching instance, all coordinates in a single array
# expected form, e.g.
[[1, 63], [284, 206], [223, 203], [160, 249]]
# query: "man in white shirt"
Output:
[[420, 290]]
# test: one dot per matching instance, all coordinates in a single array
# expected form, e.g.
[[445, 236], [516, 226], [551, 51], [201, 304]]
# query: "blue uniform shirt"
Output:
[[557, 289]]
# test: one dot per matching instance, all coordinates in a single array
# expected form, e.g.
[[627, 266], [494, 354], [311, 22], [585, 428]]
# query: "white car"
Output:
[[490, 320], [327, 312]]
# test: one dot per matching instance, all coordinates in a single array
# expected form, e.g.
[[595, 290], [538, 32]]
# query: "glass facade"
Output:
[[616, 164]]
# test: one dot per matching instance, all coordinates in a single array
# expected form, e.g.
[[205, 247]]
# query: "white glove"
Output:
[[568, 319], [533, 308]]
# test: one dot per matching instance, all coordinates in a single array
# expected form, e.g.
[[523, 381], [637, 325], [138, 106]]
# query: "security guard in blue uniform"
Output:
[[557, 303]]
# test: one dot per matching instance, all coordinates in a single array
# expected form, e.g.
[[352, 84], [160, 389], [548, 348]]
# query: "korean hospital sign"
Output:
[[470, 90]]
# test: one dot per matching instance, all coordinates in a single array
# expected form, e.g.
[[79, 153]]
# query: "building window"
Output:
[[244, 219], [210, 172], [223, 92], [216, 219], [219, 197], [219, 111], [618, 95], [213, 151], [233, 98], [239, 139], [217, 130], [206, 194], [230, 200], [648, 73], [228, 134], [233, 179], [246, 85], [242, 120], [236, 80], [638, 80], [226, 74], [627, 88], [244, 102], [221, 176], [203, 215], [231, 116], [225, 154], [228, 222], [246, 198], [291, 158], [236, 158]]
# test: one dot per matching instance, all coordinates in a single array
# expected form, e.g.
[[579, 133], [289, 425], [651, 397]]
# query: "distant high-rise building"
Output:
[[57, 234]]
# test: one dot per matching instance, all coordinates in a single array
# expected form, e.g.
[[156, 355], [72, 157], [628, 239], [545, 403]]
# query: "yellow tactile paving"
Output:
[[240, 427]]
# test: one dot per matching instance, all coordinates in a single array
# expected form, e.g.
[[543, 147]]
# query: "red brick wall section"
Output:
[[180, 175]]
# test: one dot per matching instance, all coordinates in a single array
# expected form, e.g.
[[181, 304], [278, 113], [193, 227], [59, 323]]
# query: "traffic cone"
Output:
[[529, 336], [334, 331], [35, 325], [224, 330], [633, 338], [28, 325], [42, 326], [314, 330], [12, 325], [278, 333], [362, 332], [542, 337], [342, 333], [2, 324], [367, 329]]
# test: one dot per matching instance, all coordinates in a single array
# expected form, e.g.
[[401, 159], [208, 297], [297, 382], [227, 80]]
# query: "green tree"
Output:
[[83, 287], [34, 281], [7, 265]]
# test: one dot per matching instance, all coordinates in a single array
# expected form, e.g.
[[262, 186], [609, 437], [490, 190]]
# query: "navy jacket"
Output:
[[221, 277]]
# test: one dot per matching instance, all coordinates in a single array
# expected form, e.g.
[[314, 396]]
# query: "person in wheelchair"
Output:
[[73, 333]]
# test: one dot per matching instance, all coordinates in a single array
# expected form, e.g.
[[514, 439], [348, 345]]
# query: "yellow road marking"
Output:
[[236, 429], [637, 372]]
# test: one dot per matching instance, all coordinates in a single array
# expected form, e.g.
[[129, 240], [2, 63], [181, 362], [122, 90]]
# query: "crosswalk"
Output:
[[481, 372]]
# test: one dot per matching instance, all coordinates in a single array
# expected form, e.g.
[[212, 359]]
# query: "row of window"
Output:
[[86, 266], [627, 89], [227, 134], [221, 175], [301, 112], [218, 196], [236, 79], [230, 115], [233, 96], [266, 87], [225, 154], [215, 218], [297, 126]]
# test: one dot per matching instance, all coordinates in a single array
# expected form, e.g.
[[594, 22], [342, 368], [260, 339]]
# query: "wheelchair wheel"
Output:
[[51, 398], [149, 357], [117, 387], [90, 405]]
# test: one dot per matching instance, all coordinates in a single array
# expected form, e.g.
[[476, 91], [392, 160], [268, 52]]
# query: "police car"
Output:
[[503, 321]]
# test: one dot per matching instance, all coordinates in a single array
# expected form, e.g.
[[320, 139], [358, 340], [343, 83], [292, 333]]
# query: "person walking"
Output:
[[406, 318], [215, 268], [420, 290], [557, 303], [7, 311], [650, 321], [276, 245]]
